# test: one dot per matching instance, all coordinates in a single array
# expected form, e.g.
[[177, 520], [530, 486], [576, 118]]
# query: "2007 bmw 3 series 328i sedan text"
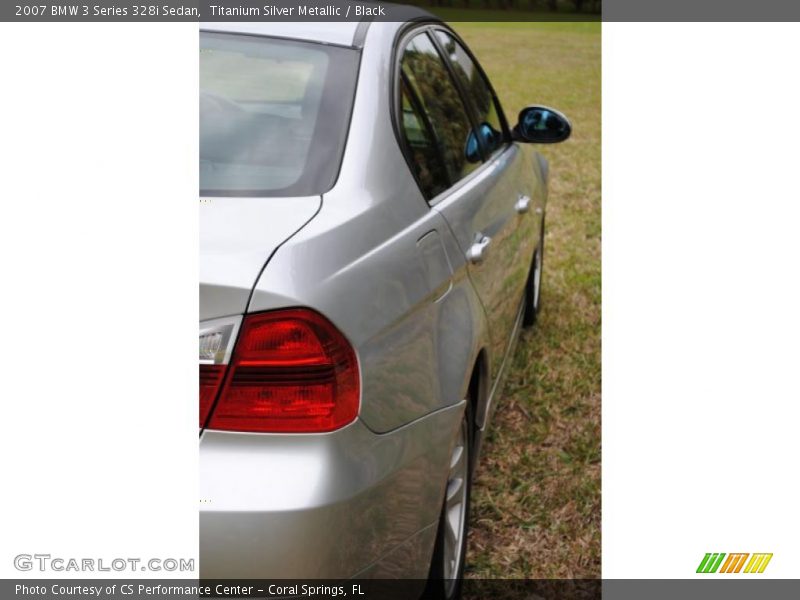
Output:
[[371, 243]]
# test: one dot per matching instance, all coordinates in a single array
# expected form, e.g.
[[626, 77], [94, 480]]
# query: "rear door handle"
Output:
[[523, 205], [479, 249]]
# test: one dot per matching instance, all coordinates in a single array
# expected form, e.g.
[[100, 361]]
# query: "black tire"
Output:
[[533, 287], [439, 586]]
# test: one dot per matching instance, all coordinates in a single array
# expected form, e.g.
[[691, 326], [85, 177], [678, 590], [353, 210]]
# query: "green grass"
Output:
[[536, 499]]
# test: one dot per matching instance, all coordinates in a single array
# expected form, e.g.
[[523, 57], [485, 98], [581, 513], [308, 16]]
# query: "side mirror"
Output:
[[541, 125]]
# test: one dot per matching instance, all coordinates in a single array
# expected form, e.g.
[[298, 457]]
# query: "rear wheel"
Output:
[[447, 567]]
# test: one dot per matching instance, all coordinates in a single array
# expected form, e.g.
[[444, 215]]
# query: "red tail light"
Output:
[[210, 380], [291, 371]]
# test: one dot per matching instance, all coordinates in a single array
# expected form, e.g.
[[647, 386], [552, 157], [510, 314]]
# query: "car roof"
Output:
[[340, 33]]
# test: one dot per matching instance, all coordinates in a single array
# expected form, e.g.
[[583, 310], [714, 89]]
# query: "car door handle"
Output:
[[479, 249], [523, 205]]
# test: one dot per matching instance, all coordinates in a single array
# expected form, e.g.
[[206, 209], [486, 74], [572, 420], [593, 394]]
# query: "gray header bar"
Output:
[[701, 10], [344, 10], [295, 10]]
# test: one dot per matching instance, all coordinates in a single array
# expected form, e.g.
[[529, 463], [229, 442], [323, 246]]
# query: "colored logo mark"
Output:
[[713, 562]]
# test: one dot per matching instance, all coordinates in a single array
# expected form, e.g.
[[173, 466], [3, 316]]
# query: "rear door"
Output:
[[471, 173]]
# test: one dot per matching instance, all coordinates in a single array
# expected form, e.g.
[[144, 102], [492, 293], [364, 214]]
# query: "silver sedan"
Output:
[[372, 233]]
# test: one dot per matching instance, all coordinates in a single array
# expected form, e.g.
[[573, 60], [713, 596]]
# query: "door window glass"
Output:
[[479, 91], [424, 152], [430, 85]]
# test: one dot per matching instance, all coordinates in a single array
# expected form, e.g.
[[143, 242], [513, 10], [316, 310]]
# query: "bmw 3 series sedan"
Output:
[[371, 243]]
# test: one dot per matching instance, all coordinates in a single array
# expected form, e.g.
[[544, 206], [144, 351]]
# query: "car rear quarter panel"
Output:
[[384, 268]]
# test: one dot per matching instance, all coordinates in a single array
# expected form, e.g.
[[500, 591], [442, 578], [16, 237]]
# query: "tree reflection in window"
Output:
[[430, 83]]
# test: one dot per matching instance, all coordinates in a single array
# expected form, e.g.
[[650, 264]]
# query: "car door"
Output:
[[478, 182]]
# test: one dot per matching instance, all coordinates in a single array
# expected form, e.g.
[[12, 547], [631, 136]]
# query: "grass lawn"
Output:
[[536, 499]]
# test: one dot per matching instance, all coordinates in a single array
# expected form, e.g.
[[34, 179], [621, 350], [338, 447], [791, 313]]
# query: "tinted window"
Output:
[[478, 89], [424, 151], [430, 85], [273, 115]]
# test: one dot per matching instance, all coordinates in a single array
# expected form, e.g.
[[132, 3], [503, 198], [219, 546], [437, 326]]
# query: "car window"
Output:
[[480, 92], [273, 114], [424, 151], [433, 90]]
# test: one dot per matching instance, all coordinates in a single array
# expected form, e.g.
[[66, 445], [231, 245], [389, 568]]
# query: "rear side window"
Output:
[[428, 86], [274, 114], [480, 92], [422, 146]]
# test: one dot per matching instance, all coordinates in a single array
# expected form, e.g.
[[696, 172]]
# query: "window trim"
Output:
[[402, 37]]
